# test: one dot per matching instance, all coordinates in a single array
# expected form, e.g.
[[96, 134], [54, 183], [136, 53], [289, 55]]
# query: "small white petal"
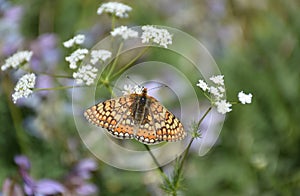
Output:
[[24, 87], [203, 85], [118, 9], [124, 32], [97, 55], [244, 98], [78, 39], [215, 92], [17, 60], [129, 89], [218, 79], [75, 57], [223, 107], [161, 37], [85, 74]]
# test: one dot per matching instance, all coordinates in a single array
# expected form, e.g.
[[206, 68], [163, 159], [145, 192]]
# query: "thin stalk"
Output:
[[131, 62], [16, 115], [115, 61], [53, 75], [161, 171], [113, 22], [191, 141], [56, 88]]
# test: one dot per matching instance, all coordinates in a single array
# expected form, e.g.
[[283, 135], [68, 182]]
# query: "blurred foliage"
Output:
[[256, 45]]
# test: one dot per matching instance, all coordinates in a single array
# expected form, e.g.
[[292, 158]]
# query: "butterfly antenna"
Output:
[[160, 86], [129, 78]]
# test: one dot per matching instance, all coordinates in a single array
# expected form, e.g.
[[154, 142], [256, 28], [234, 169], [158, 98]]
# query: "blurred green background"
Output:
[[256, 45]]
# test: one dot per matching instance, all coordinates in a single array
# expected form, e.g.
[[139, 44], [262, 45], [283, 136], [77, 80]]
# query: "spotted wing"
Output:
[[159, 125], [114, 115], [168, 127]]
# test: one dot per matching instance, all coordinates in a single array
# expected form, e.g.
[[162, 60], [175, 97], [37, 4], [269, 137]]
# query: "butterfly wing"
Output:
[[159, 125], [114, 115]]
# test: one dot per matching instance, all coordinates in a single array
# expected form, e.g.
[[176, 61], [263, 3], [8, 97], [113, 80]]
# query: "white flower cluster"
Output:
[[129, 89], [97, 55], [244, 98], [218, 94], [158, 36], [124, 32], [118, 9], [76, 56], [17, 60], [24, 87], [85, 74], [78, 39]]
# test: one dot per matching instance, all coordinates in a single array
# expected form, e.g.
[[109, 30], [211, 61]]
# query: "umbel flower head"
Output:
[[161, 37], [97, 55], [129, 89], [24, 87], [86, 74], [244, 98], [17, 60], [217, 92], [78, 39], [124, 32], [76, 56], [120, 10]]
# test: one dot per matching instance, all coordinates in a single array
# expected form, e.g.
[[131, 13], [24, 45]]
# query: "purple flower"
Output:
[[86, 189], [23, 162], [11, 188], [13, 14], [46, 55], [11, 39], [44, 187], [76, 180], [41, 187], [85, 167]]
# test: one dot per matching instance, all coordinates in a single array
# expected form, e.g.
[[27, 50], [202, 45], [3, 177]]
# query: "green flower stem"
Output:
[[56, 88], [113, 22], [208, 97], [128, 65], [184, 156], [54, 76], [202, 118], [21, 136], [161, 171], [115, 61]]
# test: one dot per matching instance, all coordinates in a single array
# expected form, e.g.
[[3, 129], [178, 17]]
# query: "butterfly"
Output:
[[137, 116]]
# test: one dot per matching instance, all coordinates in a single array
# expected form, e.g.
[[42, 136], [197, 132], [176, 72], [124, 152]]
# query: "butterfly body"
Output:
[[136, 116]]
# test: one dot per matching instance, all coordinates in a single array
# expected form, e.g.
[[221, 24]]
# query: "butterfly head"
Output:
[[144, 91]]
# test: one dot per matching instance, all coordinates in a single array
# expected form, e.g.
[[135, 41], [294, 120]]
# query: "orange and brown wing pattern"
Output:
[[146, 132], [167, 126], [114, 115]]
